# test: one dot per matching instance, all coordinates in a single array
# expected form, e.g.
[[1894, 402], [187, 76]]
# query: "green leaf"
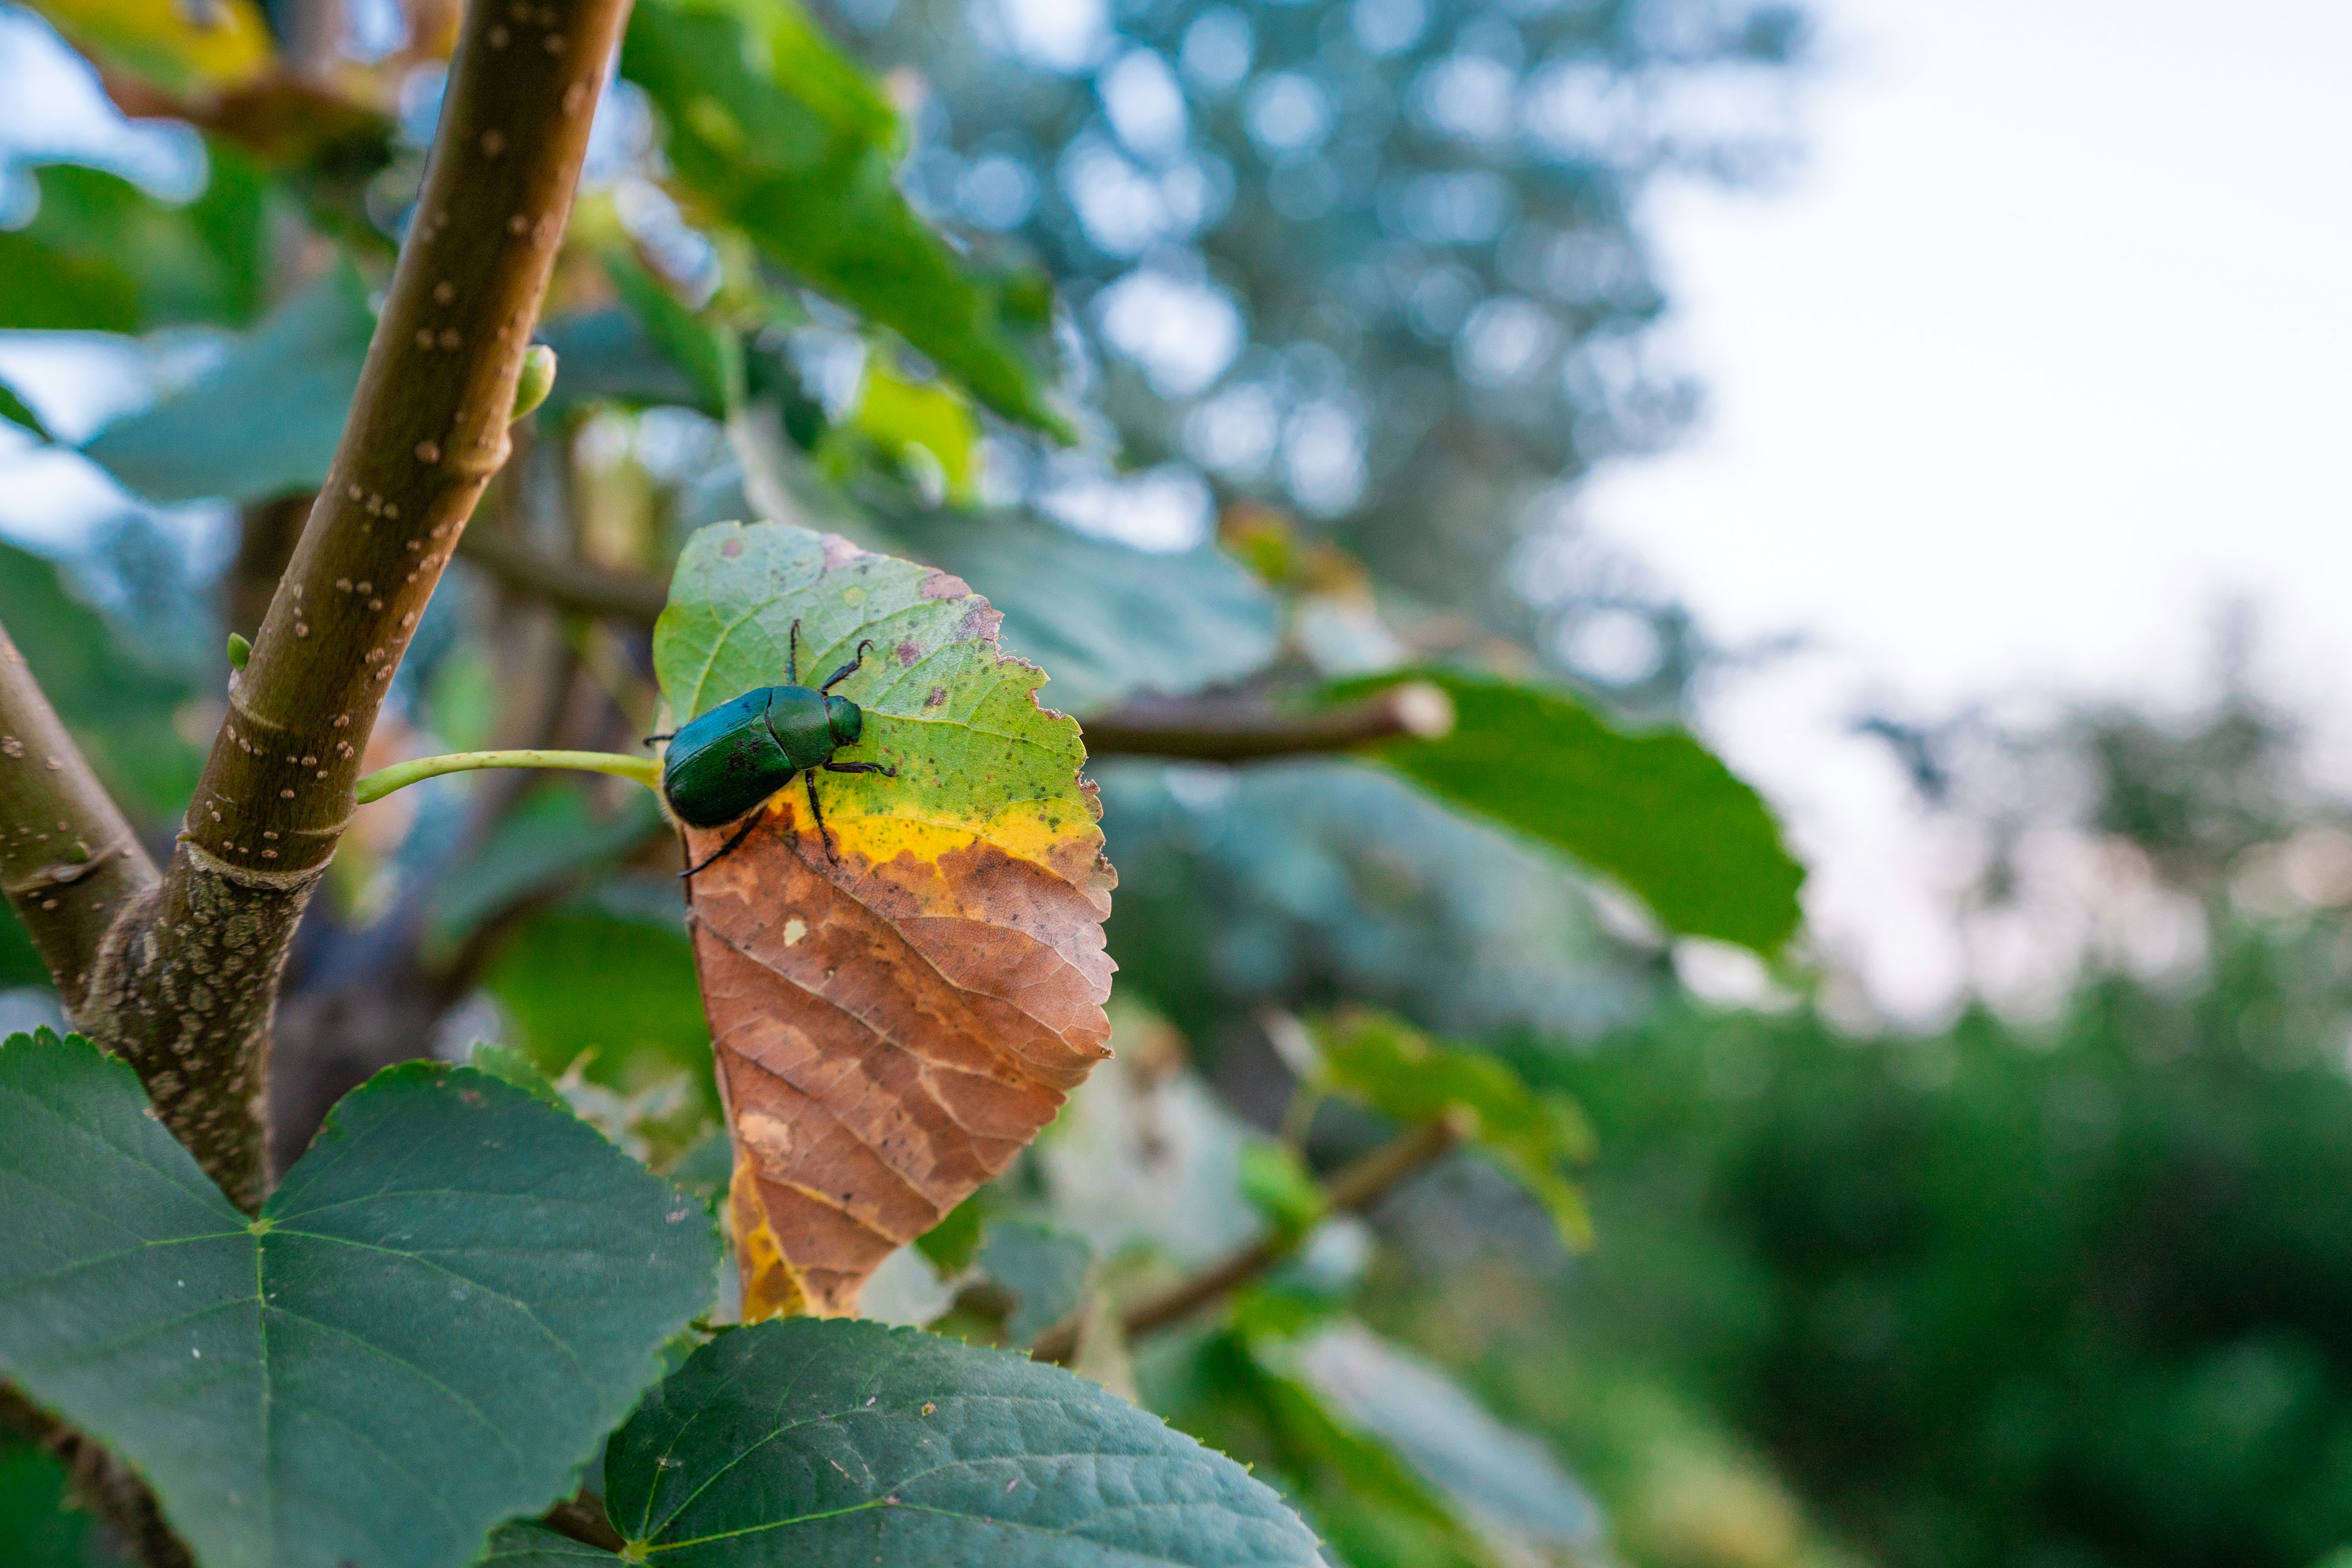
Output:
[[904, 417], [196, 53], [838, 1444], [39, 1520], [1399, 1071], [18, 412], [453, 1292], [265, 421], [708, 352], [1505, 1482], [1376, 1511], [119, 708], [529, 1546], [1106, 619], [609, 356], [548, 842], [768, 126], [101, 254], [617, 981], [1042, 1267], [1659, 812], [1279, 1186]]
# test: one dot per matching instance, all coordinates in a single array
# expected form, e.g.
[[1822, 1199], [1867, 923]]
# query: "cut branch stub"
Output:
[[897, 1014]]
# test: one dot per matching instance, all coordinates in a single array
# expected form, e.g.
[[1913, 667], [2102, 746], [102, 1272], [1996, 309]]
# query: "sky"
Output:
[[2043, 358]]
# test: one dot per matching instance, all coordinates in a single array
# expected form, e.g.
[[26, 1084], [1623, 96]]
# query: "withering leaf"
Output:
[[181, 49], [894, 1018], [453, 1293], [1390, 1066], [770, 127], [1659, 812], [262, 422], [838, 1444]]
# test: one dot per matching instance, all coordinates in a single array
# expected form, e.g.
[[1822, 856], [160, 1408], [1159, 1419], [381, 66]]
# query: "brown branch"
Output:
[[580, 585], [1353, 1189], [186, 984], [68, 861], [1223, 730]]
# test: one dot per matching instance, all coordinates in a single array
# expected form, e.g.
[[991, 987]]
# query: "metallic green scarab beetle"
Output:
[[728, 761]]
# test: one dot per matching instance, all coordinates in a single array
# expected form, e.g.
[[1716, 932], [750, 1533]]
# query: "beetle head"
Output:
[[845, 719]]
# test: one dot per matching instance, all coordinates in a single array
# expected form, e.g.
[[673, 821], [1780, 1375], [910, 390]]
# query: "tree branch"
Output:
[[68, 861], [186, 984], [580, 585], [1222, 729], [1355, 1188]]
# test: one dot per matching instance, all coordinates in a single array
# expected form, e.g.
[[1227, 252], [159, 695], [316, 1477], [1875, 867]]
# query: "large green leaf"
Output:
[[1659, 812], [119, 708], [1399, 1071], [610, 977], [840, 1443], [262, 422], [452, 1294], [1106, 619], [101, 254], [773, 130]]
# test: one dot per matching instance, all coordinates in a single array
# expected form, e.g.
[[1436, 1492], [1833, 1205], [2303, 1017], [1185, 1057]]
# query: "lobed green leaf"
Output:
[[452, 1295]]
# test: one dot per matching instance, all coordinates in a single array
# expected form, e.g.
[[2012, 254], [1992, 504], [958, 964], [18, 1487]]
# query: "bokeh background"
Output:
[[1938, 408]]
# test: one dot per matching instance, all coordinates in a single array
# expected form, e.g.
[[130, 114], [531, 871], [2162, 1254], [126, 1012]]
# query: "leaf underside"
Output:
[[894, 1024], [452, 1294]]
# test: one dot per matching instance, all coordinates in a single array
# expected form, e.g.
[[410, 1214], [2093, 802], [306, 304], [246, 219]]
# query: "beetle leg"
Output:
[[847, 671], [824, 836], [726, 848], [861, 768], [652, 739], [793, 655]]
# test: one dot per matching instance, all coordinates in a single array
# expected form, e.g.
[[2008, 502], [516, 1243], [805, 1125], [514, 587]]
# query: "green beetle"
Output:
[[728, 761]]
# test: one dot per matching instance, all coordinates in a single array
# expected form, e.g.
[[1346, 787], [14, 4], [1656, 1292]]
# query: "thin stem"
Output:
[[1357, 1187], [1222, 730], [646, 771]]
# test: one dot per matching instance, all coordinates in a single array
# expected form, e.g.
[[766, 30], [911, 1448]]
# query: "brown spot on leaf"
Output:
[[937, 697], [908, 651]]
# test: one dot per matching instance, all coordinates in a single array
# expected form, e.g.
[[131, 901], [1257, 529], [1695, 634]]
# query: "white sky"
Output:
[[2045, 355]]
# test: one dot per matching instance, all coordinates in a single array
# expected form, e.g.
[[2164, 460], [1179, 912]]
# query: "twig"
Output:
[[646, 771], [68, 861], [1222, 730], [1357, 1187], [186, 984], [580, 585]]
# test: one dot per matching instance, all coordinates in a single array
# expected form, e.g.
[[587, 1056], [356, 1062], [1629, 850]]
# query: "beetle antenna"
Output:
[[793, 655], [726, 848], [847, 671]]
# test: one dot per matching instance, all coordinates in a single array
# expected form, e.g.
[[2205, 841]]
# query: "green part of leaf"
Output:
[[40, 1524], [19, 413], [768, 125], [1279, 1186], [101, 254], [1043, 1267], [531, 1546], [1107, 620], [619, 982], [265, 421], [119, 706], [453, 1292], [905, 417], [962, 726], [551, 840], [512, 1065], [1399, 1071], [709, 353], [837, 1443], [609, 356], [1375, 1510], [1659, 812], [1503, 1480], [954, 1242]]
